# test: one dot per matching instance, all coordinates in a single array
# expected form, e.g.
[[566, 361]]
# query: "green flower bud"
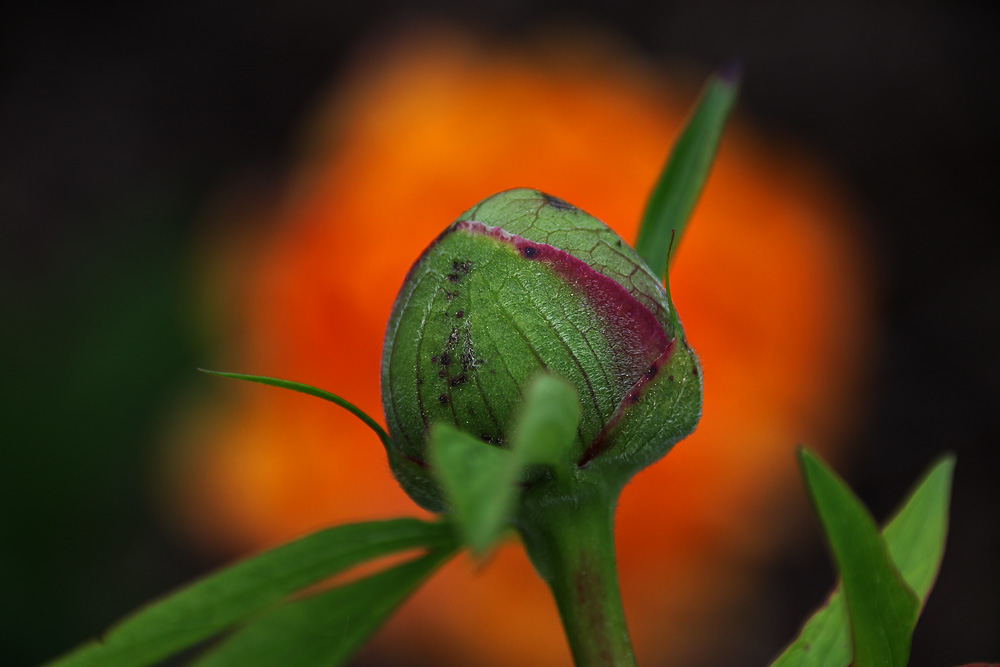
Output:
[[521, 283]]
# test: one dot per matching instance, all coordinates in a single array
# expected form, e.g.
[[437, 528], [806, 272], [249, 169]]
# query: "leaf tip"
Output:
[[221, 374], [731, 72], [813, 468], [946, 461], [805, 455]]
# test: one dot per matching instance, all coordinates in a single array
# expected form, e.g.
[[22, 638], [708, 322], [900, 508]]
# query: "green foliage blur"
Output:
[[100, 348]]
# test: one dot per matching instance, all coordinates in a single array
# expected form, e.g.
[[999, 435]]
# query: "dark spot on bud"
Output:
[[443, 373], [557, 203], [443, 399], [694, 371], [461, 267], [460, 314], [445, 359], [529, 252], [651, 373], [670, 377], [448, 295], [633, 397], [454, 277], [458, 379], [415, 460], [434, 359], [618, 243]]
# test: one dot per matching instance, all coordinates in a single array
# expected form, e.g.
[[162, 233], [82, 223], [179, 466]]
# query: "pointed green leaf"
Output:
[[215, 603], [916, 535], [311, 391], [481, 480], [882, 608], [916, 539], [325, 629], [681, 182]]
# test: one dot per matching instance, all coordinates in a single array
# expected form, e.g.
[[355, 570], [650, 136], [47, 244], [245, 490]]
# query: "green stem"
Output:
[[571, 543]]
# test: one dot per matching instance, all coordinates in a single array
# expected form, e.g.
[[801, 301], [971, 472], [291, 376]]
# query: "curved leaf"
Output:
[[881, 607], [311, 391], [215, 603], [325, 629], [915, 538]]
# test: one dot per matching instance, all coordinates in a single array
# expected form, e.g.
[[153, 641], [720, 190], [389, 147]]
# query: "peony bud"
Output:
[[521, 283]]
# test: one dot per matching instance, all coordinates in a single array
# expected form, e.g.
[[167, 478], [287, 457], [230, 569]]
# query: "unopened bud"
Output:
[[522, 283]]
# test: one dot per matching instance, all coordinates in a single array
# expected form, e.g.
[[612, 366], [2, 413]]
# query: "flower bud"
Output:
[[521, 283]]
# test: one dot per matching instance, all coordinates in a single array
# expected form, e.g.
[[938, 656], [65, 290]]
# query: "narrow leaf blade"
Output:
[[325, 629], [311, 391], [916, 538], [213, 604], [882, 609], [681, 182]]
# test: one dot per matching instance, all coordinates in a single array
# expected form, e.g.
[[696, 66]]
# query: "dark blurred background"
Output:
[[119, 124]]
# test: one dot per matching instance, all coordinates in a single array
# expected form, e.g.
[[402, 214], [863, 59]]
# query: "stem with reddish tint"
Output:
[[571, 543]]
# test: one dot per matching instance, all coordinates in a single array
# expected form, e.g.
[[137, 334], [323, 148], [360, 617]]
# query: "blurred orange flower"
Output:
[[767, 283]]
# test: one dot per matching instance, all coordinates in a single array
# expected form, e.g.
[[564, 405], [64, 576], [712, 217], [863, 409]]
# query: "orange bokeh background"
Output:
[[768, 283]]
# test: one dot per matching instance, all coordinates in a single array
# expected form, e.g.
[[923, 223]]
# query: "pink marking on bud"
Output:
[[634, 395], [639, 342], [627, 316]]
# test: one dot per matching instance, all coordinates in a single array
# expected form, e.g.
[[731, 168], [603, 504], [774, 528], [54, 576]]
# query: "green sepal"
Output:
[[545, 429], [478, 483], [482, 482], [233, 595], [916, 539]]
